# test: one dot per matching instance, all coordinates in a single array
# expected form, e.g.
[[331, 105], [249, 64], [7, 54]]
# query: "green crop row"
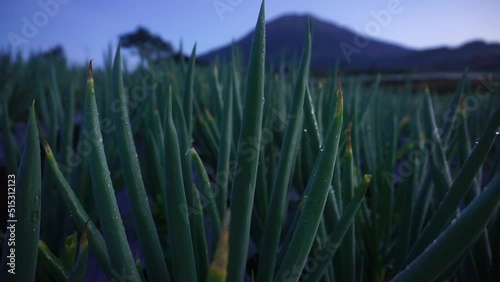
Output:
[[234, 174]]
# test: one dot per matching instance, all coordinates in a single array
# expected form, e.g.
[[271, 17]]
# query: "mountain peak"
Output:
[[331, 43]]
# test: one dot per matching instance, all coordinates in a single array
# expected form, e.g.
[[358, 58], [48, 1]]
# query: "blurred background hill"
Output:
[[332, 42]]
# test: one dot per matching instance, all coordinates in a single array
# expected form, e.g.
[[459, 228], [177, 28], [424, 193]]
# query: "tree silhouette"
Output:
[[55, 54], [150, 47]]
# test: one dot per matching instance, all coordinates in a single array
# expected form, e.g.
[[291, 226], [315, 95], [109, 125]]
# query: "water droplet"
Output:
[[305, 130], [453, 220], [497, 132], [34, 229], [263, 101], [321, 148]]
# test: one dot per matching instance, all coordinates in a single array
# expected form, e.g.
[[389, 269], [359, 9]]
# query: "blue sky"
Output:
[[86, 28]]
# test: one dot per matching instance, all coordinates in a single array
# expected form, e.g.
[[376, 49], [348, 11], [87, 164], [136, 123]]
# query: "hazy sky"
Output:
[[86, 28]]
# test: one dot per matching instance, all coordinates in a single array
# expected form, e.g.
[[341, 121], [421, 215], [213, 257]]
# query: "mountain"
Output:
[[476, 55], [285, 37]]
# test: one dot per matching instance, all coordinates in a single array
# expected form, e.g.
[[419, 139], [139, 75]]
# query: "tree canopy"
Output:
[[149, 46]]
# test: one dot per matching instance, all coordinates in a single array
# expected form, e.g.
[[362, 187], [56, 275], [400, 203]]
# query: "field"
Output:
[[179, 172]]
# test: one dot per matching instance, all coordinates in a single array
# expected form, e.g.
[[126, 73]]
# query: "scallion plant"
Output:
[[239, 174]]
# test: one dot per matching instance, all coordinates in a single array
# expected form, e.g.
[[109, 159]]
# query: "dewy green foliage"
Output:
[[25, 228], [314, 200], [248, 156], [79, 215], [275, 216], [143, 219], [176, 205], [107, 207], [237, 172]]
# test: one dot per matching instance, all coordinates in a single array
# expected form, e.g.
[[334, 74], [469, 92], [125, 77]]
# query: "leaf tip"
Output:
[[348, 146], [262, 12], [90, 73], [46, 148], [427, 90], [368, 178], [406, 120], [462, 107], [365, 183], [84, 238], [340, 95]]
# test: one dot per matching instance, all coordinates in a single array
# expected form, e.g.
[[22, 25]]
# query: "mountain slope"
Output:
[[476, 55], [285, 36]]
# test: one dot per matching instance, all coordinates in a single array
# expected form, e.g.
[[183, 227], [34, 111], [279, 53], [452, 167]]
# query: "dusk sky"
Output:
[[86, 28]]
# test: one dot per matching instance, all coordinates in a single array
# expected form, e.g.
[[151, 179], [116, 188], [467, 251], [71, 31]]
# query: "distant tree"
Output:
[[150, 47], [55, 54]]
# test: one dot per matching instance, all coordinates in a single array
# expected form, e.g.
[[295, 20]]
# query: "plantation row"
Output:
[[236, 173]]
